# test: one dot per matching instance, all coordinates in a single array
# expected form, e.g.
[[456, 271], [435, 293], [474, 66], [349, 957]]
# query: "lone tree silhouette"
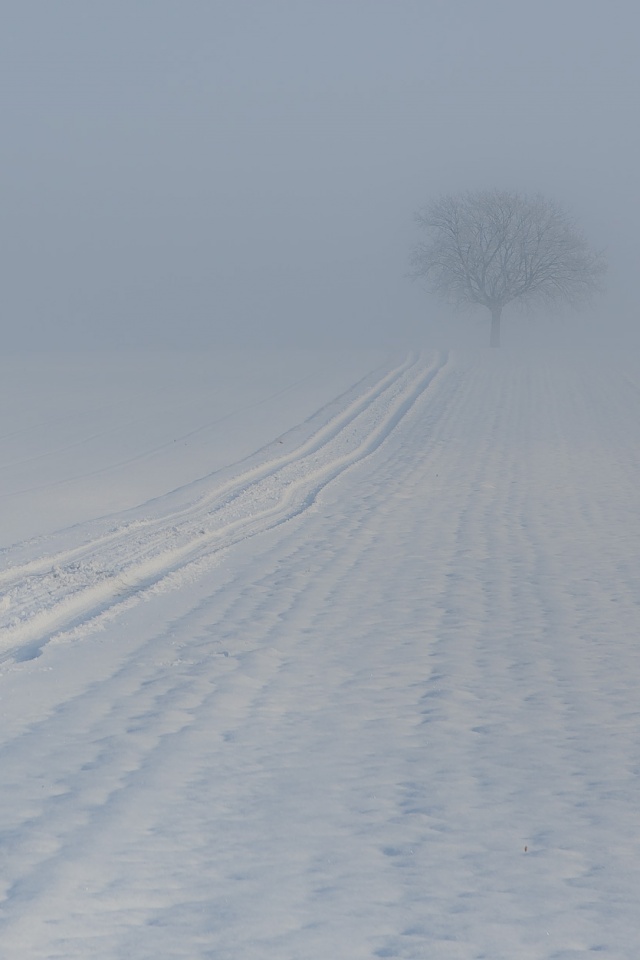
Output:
[[492, 247]]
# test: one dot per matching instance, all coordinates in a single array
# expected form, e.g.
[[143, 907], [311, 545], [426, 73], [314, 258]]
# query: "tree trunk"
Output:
[[496, 313]]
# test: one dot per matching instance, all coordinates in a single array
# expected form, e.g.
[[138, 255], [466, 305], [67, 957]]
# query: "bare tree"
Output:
[[493, 247]]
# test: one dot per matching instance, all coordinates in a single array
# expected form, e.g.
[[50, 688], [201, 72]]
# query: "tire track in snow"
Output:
[[220, 492], [147, 454], [172, 705], [102, 578]]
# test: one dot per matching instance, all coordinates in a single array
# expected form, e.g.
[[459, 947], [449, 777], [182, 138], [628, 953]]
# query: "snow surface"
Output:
[[365, 684]]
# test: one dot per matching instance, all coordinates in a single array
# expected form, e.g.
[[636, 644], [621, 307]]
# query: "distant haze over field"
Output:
[[247, 171]]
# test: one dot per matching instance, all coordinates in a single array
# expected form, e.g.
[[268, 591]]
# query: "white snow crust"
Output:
[[310, 657]]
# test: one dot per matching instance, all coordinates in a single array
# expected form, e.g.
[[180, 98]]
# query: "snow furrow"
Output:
[[330, 424], [85, 583]]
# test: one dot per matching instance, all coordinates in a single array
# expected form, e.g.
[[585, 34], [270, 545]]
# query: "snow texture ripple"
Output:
[[371, 693]]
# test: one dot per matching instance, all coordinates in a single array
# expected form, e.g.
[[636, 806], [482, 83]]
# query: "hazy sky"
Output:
[[209, 171]]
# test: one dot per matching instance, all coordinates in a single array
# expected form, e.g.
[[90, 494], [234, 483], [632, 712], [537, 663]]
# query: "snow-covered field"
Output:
[[320, 656]]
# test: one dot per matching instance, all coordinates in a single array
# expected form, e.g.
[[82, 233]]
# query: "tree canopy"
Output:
[[493, 247]]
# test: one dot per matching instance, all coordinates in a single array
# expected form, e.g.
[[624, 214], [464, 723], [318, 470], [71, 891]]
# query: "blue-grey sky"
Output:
[[211, 171]]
